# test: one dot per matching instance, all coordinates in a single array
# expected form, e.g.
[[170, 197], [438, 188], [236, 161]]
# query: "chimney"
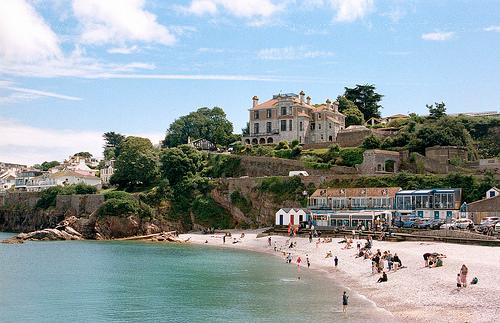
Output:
[[255, 100], [328, 103], [308, 100], [301, 96]]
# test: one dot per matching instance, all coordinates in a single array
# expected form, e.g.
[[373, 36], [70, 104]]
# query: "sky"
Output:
[[71, 70]]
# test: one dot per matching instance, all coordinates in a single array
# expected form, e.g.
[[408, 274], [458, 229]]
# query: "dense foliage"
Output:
[[366, 99], [112, 141], [124, 207], [241, 202], [137, 164], [46, 165], [353, 116], [210, 214], [205, 123]]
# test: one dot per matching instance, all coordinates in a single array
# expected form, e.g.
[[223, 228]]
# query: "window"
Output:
[[290, 110], [256, 128], [330, 125], [321, 137], [319, 115], [283, 125], [300, 139], [319, 126], [312, 126], [290, 122], [301, 126], [283, 111], [268, 127], [256, 114], [269, 113]]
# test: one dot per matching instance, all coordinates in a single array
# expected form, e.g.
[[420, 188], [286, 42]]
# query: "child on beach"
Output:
[[459, 282], [463, 275], [308, 262], [383, 278], [345, 299]]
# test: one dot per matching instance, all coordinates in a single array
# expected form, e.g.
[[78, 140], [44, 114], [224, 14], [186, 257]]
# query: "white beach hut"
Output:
[[292, 216]]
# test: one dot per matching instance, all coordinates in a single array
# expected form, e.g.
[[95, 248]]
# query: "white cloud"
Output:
[[291, 53], [238, 8], [123, 50], [118, 22], [351, 10], [32, 93], [24, 35], [493, 28], [20, 143], [438, 36]]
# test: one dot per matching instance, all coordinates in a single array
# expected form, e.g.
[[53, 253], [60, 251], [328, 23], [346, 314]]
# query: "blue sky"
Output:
[[71, 70]]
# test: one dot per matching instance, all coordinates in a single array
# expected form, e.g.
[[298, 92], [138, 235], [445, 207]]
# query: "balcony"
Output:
[[263, 134]]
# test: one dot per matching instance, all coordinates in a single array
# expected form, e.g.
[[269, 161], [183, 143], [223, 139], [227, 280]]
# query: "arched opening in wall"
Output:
[[269, 140], [247, 141], [254, 141], [389, 165], [330, 138], [379, 167], [262, 141]]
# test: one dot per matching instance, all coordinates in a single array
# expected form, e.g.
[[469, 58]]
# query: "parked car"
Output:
[[435, 224], [490, 218], [458, 224], [497, 227], [487, 227], [421, 223]]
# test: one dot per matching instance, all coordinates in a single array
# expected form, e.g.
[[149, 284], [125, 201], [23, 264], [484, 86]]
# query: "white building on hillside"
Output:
[[7, 180], [63, 178], [492, 192], [291, 216]]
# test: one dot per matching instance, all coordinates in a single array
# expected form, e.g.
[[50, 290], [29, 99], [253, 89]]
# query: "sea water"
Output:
[[118, 281]]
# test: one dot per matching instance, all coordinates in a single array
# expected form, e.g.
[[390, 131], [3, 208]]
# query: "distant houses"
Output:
[[27, 181], [487, 207]]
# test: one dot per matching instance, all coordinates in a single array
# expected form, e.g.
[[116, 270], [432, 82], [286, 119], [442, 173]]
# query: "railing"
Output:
[[260, 134]]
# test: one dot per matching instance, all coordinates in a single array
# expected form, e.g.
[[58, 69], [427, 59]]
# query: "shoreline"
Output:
[[414, 293]]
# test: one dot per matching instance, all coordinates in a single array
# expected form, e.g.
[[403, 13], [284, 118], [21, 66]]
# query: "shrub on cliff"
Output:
[[207, 212], [283, 189], [118, 195], [48, 198], [124, 208], [241, 202]]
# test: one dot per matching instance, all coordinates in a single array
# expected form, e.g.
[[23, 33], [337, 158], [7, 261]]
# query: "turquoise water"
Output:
[[93, 281]]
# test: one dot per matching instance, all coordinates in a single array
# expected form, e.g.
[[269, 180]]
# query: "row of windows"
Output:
[[284, 111], [283, 126]]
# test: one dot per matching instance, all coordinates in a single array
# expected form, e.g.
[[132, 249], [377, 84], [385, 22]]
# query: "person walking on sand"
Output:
[[269, 241], [459, 281], [310, 237], [224, 239], [463, 275], [345, 301], [308, 262], [336, 261]]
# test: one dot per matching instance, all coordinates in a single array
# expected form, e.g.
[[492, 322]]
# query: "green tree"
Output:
[[372, 142], [46, 165], [353, 116], [436, 111], [84, 154], [205, 123], [366, 99], [246, 131], [137, 164], [112, 141], [180, 162]]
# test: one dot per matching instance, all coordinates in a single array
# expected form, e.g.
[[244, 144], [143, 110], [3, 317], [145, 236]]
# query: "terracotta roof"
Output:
[[303, 114], [265, 105], [357, 192]]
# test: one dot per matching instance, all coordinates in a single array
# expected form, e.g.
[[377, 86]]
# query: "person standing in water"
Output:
[[345, 301], [298, 266]]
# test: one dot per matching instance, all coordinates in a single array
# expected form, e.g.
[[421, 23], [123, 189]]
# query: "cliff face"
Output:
[[261, 209], [24, 220]]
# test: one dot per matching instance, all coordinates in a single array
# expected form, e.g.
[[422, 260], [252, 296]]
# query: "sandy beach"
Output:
[[415, 293]]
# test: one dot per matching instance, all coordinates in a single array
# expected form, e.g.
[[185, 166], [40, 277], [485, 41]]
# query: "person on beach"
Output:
[[463, 275], [289, 258], [274, 245], [383, 278], [459, 281], [336, 261], [345, 301], [223, 239], [358, 246], [426, 259], [269, 241], [308, 262], [310, 237], [329, 254], [396, 262]]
